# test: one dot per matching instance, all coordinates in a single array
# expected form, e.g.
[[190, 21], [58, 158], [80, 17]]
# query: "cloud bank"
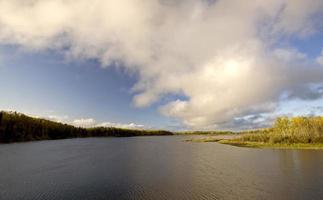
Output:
[[227, 58], [90, 122]]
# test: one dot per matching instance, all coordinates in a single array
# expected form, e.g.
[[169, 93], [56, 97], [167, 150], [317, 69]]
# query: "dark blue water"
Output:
[[156, 168]]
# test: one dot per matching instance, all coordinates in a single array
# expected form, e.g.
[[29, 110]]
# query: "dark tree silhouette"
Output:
[[1, 117], [19, 127]]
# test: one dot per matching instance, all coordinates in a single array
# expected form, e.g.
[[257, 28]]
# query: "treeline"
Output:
[[289, 130], [16, 127]]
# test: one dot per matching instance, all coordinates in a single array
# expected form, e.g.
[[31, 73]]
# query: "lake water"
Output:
[[156, 168]]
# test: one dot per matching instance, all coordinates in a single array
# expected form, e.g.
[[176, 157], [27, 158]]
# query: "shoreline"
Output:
[[260, 145], [263, 145], [213, 138]]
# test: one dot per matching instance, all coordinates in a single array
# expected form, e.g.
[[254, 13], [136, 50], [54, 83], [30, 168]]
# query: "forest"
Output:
[[15, 127]]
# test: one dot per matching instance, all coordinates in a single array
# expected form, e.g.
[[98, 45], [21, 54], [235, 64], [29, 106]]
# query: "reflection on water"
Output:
[[156, 168]]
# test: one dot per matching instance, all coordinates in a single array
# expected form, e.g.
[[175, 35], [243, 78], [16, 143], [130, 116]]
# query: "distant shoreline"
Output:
[[18, 127]]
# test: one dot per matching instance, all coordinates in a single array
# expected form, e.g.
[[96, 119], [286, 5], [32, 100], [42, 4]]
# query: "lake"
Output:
[[158, 167]]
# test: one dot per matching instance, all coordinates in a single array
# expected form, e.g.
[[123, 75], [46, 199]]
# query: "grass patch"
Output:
[[272, 145]]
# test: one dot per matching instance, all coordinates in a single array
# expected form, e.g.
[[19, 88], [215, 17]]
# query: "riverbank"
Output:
[[235, 140], [314, 146]]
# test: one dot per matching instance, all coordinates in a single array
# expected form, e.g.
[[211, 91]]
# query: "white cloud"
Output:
[[86, 123], [320, 59], [120, 125], [220, 55], [289, 55], [57, 118]]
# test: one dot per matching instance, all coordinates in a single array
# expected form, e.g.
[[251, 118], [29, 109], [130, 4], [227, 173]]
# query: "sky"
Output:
[[162, 64]]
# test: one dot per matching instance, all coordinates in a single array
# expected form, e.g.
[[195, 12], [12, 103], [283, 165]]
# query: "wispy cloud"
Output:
[[225, 57]]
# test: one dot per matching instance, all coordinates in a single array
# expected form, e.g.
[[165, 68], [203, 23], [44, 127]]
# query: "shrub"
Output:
[[289, 130]]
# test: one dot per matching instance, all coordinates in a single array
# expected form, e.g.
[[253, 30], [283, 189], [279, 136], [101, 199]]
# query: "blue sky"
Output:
[[45, 84], [192, 64]]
